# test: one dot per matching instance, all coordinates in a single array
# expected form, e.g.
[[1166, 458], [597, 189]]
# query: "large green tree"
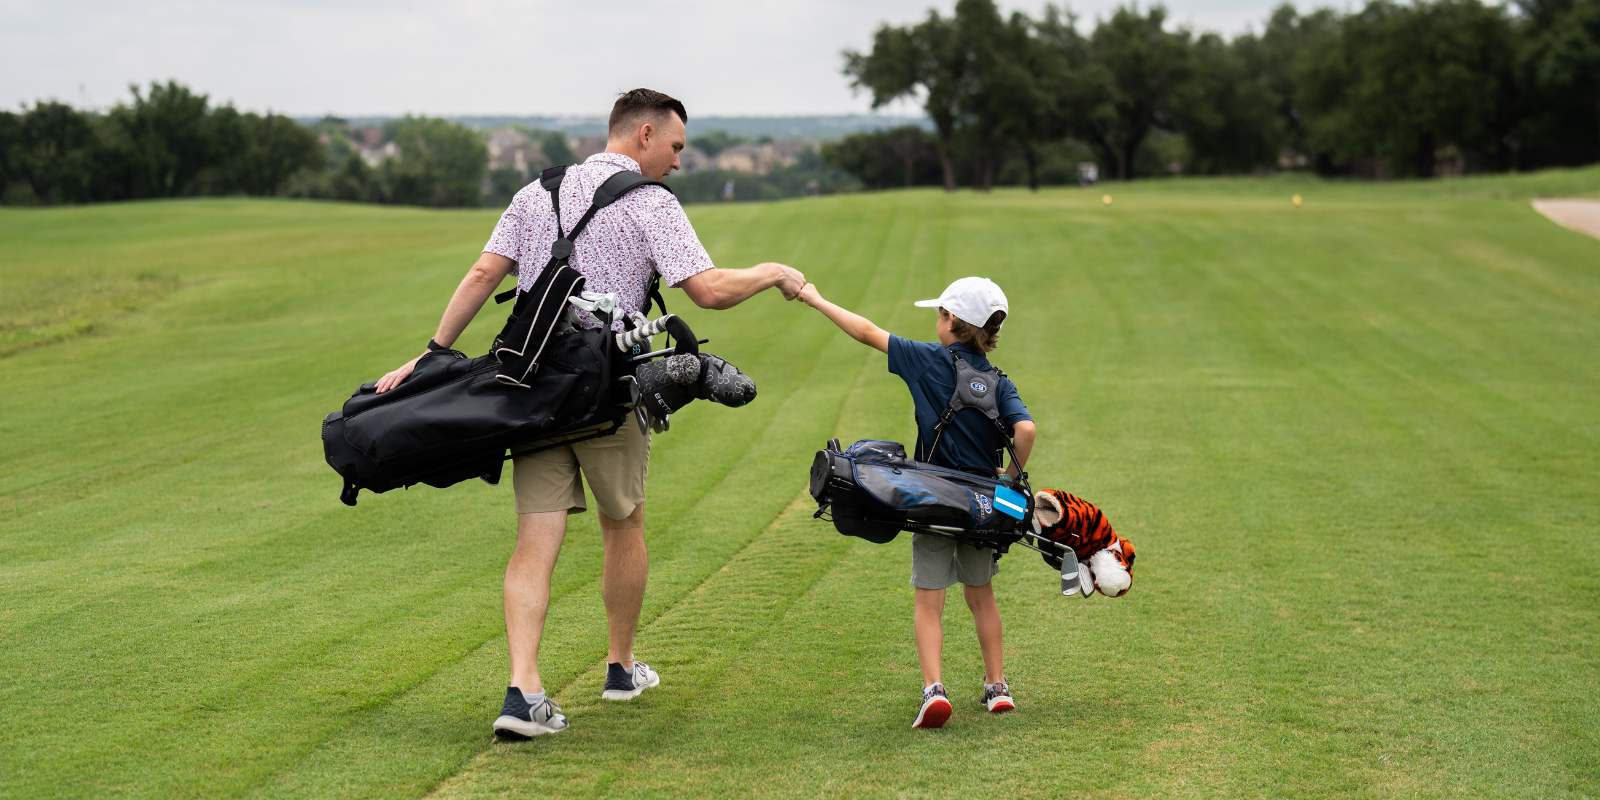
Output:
[[440, 163], [1227, 114], [1558, 72], [1272, 57], [1133, 70], [928, 58], [1405, 82], [49, 154]]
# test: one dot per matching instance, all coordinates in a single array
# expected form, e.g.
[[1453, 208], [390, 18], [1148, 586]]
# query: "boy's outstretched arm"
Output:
[[860, 328]]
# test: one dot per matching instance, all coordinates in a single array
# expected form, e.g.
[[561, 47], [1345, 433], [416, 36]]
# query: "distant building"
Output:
[[760, 159], [585, 146], [509, 147], [369, 142], [693, 159]]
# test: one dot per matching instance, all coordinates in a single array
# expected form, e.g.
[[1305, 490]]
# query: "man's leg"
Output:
[[527, 592], [624, 572]]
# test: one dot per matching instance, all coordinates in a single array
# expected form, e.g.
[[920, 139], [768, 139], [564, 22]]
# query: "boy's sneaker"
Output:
[[521, 720], [935, 709], [626, 684], [997, 696]]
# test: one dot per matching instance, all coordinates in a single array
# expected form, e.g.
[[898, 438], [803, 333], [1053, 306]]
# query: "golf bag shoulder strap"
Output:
[[521, 343], [976, 389], [608, 192]]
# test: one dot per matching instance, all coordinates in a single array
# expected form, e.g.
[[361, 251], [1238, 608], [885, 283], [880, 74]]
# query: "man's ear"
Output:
[[646, 131]]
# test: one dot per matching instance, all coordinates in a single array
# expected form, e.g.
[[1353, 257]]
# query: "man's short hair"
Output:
[[639, 106]]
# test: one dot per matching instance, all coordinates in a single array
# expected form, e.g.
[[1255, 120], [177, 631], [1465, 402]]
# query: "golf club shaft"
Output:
[[661, 352]]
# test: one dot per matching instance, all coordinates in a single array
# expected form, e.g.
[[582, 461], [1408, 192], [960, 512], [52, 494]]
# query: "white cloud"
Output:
[[357, 57]]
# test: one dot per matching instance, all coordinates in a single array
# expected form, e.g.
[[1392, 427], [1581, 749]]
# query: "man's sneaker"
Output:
[[997, 696], [626, 684], [519, 720], [935, 708]]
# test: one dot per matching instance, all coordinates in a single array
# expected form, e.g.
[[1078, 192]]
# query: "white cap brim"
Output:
[[934, 303]]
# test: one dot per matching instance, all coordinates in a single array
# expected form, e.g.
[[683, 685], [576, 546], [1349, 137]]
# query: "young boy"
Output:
[[971, 311]]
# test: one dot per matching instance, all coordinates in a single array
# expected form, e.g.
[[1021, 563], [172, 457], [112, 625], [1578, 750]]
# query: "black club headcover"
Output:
[[721, 382], [668, 385], [671, 383]]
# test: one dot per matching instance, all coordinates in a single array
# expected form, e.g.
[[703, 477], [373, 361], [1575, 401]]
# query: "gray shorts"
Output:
[[939, 562]]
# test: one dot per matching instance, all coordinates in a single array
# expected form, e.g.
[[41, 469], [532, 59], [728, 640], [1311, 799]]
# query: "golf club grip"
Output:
[[626, 341]]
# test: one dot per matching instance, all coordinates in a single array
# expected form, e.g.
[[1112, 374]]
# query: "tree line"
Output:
[[1391, 89], [170, 141]]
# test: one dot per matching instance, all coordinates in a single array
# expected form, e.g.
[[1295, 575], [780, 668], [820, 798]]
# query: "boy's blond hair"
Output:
[[984, 339]]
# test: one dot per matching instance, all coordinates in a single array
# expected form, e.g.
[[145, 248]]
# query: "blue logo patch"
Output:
[[978, 387]]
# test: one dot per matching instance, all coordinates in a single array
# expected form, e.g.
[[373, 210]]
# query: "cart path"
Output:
[[1582, 216]]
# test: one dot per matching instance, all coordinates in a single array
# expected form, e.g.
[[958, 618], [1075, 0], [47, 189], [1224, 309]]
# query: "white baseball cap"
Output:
[[974, 300]]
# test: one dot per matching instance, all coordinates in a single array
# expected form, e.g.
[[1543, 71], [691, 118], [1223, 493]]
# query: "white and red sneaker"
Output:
[[997, 696], [935, 709]]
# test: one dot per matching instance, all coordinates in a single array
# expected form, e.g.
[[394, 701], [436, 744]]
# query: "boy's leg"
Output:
[[929, 625], [986, 618]]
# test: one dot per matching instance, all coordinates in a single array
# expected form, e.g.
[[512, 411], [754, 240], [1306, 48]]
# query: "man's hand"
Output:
[[393, 379], [470, 296], [790, 280]]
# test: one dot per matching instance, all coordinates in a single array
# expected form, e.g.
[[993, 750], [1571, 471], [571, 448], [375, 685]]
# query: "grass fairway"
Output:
[[1355, 444]]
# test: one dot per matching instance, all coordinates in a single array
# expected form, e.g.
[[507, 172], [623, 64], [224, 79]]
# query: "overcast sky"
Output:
[[364, 57]]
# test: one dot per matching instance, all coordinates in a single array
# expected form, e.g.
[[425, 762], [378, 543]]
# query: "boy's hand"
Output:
[[809, 295]]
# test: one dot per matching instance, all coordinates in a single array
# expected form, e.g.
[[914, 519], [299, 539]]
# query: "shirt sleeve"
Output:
[[909, 359], [673, 247], [509, 233], [1012, 410]]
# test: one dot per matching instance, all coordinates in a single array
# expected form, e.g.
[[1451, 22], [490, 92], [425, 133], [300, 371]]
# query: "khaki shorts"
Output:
[[939, 562], [615, 465]]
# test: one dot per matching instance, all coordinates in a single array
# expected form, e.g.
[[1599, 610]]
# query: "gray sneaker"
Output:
[[519, 720], [626, 684], [997, 696]]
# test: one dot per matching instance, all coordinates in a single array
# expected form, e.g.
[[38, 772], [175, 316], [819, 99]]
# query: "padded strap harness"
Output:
[[975, 389], [609, 192]]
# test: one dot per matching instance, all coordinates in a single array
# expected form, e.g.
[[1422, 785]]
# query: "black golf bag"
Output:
[[872, 490], [540, 386]]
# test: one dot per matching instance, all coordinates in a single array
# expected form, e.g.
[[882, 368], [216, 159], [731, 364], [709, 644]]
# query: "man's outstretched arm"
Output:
[[725, 288], [469, 298]]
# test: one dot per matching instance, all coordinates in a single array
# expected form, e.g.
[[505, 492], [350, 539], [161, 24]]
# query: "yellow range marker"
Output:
[[1105, 198], [1295, 200]]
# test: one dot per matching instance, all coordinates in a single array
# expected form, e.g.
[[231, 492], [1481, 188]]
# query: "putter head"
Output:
[[1071, 576]]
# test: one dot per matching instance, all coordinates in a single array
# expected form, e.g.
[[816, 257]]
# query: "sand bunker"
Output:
[[1582, 216]]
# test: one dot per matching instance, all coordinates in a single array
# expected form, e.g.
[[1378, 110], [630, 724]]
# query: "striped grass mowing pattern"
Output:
[[1354, 442]]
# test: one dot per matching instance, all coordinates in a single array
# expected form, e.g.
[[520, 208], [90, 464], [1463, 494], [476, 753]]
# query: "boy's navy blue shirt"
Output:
[[970, 439]]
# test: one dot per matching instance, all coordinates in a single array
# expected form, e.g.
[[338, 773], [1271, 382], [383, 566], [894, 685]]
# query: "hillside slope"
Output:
[[1355, 444]]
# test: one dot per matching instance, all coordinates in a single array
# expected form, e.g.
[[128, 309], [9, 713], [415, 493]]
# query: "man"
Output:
[[642, 233]]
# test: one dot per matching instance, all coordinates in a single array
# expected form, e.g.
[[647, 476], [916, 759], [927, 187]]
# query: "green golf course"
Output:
[[1356, 444]]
